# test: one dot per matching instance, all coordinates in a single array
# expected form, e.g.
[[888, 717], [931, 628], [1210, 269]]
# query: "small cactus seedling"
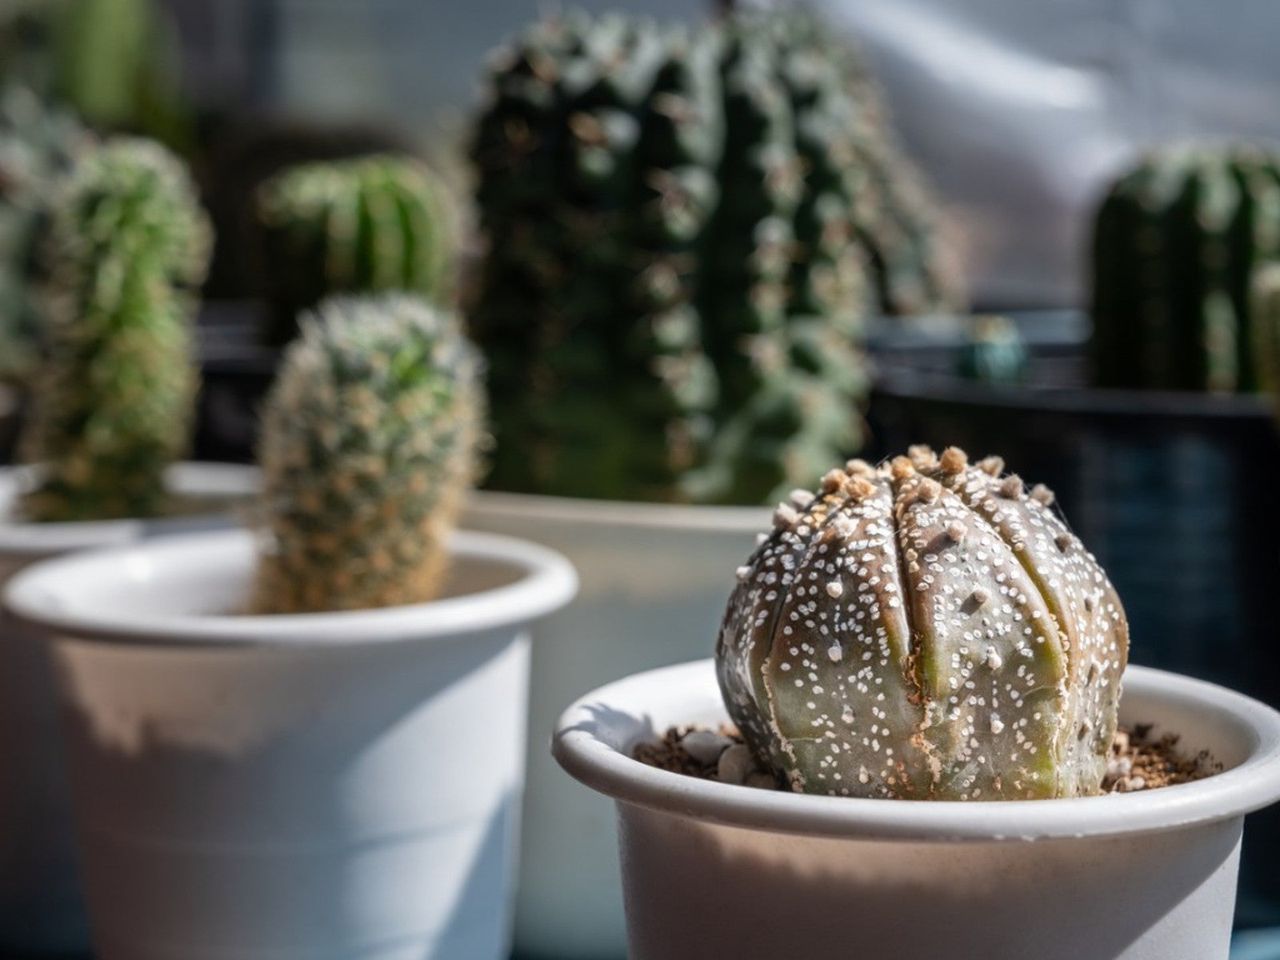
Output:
[[928, 629], [370, 225], [369, 442], [112, 406]]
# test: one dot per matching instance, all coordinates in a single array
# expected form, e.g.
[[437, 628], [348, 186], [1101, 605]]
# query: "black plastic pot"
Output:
[[236, 371], [1175, 493]]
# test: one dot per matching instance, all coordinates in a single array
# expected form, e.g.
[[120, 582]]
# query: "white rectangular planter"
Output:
[[654, 582], [716, 870], [301, 787], [41, 909]]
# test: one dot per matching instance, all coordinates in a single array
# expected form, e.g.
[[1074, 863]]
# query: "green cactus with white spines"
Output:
[[925, 630], [369, 225], [369, 440], [113, 403], [38, 144], [1176, 243], [674, 218]]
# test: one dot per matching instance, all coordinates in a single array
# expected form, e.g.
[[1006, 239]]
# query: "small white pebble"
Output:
[[835, 589], [1137, 783], [1119, 767], [705, 746], [735, 763]]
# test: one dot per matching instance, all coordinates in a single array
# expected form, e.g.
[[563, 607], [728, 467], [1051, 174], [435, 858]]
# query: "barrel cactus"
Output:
[[38, 144], [1176, 243], [112, 404], [685, 230], [369, 441], [927, 629], [372, 224]]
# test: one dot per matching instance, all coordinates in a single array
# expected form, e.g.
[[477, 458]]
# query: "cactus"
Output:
[[994, 352], [927, 629], [373, 224], [112, 405], [38, 144], [1265, 310], [686, 228], [369, 440], [1175, 245]]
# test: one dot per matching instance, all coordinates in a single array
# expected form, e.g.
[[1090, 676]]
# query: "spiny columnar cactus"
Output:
[[680, 229], [37, 145], [925, 630], [112, 406], [1175, 245], [373, 224], [369, 441]]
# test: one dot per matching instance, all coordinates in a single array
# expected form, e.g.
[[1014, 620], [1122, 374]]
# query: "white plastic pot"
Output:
[[304, 787], [41, 910], [655, 579], [716, 870]]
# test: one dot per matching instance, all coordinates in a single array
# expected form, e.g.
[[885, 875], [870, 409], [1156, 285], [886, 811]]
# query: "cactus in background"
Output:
[[112, 405], [1265, 310], [369, 441], [925, 630], [994, 352], [37, 144], [373, 224], [1176, 243], [686, 229]]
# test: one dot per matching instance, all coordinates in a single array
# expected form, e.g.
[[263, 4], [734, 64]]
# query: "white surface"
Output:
[[1136, 876], [655, 579], [273, 796], [40, 902]]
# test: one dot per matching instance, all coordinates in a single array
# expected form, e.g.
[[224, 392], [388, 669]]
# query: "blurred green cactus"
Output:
[[685, 231], [925, 630], [113, 402], [369, 441], [1265, 310], [38, 143], [368, 225], [994, 352], [1175, 246]]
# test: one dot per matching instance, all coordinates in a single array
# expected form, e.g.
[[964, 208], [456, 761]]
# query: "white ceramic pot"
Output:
[[41, 910], [715, 870], [302, 787], [655, 579]]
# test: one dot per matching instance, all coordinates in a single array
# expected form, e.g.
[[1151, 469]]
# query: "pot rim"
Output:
[[1251, 785], [619, 513], [49, 595], [26, 540]]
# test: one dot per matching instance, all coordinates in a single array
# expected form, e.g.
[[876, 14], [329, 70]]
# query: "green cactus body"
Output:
[[1265, 310], [674, 277], [369, 441], [112, 407], [925, 630], [37, 145], [369, 225], [1176, 243]]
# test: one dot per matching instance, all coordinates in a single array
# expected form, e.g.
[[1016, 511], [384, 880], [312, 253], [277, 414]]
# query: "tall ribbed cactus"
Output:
[[685, 231], [925, 630], [373, 224], [112, 407], [369, 440], [1175, 245], [37, 145]]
